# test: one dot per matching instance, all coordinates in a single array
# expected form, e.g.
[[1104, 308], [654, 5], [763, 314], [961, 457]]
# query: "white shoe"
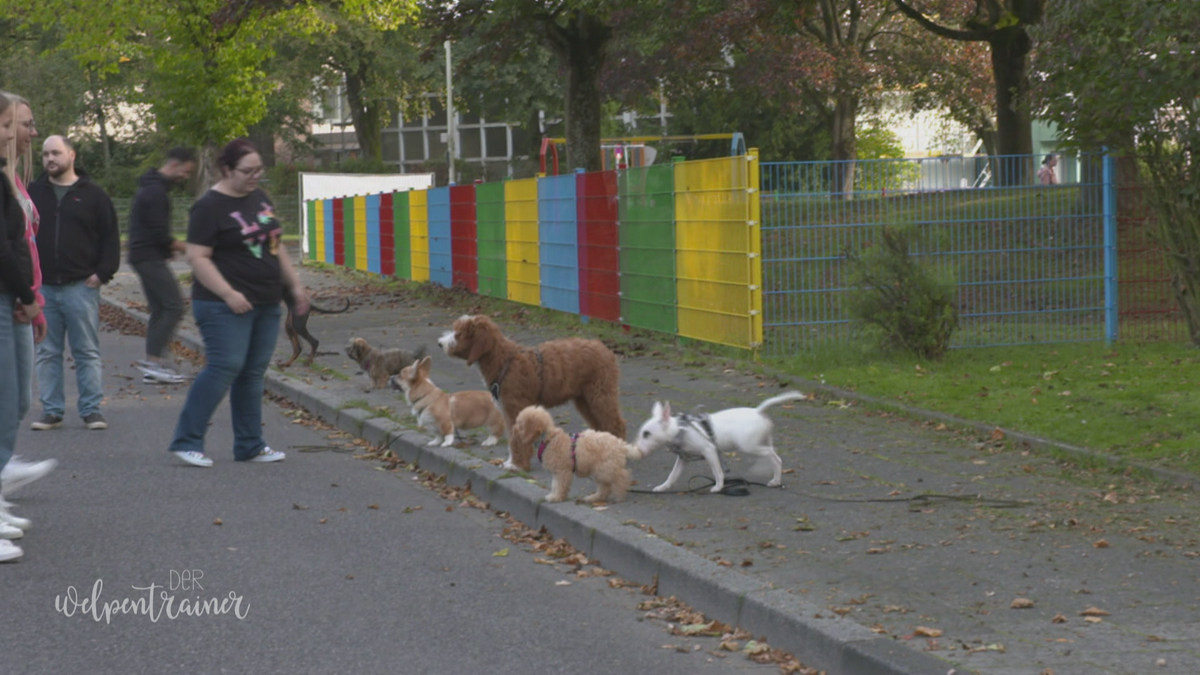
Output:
[[194, 458], [9, 532], [159, 374], [18, 522], [18, 473], [9, 551], [268, 455]]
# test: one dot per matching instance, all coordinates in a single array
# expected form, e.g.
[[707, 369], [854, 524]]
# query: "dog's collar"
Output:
[[543, 442]]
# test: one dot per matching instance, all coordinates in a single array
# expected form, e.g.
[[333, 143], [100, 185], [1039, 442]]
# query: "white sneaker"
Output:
[[9, 551], [153, 373], [18, 473], [194, 458], [9, 532], [267, 455], [18, 522]]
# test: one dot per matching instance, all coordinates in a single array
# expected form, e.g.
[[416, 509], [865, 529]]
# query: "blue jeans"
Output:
[[25, 351], [10, 357], [72, 313], [238, 350]]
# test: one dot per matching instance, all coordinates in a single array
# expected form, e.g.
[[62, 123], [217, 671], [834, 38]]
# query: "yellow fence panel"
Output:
[[521, 247], [318, 226], [360, 233], [418, 228], [718, 259]]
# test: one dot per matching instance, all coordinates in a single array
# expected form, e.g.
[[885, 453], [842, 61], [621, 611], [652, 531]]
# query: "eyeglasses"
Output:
[[251, 173]]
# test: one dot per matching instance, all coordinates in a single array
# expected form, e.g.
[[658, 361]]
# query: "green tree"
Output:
[[578, 32], [1124, 74], [1004, 25]]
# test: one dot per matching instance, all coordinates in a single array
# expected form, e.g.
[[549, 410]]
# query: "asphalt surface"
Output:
[[852, 566], [320, 564]]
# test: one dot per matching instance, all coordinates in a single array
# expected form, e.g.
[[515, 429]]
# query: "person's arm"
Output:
[[10, 266], [205, 271], [292, 280], [108, 257]]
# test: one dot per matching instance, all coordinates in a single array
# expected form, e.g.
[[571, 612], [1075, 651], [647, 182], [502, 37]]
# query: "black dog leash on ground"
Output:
[[740, 487]]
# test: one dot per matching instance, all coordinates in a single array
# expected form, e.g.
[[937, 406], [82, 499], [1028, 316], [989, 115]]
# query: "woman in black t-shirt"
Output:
[[239, 270]]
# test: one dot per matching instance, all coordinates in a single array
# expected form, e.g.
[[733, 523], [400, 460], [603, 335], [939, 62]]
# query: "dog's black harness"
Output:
[[494, 387], [546, 441], [702, 423]]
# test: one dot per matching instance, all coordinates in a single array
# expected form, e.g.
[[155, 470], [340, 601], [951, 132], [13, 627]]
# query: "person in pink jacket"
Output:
[[20, 161]]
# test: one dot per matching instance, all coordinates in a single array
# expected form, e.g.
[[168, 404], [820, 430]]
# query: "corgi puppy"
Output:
[[446, 414]]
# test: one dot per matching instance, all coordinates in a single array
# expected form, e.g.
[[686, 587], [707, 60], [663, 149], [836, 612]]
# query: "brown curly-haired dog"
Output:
[[582, 371], [380, 364], [595, 454]]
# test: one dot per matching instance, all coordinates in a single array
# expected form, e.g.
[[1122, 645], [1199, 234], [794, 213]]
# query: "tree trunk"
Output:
[[102, 122], [1014, 133], [581, 48], [206, 168], [367, 119], [845, 147]]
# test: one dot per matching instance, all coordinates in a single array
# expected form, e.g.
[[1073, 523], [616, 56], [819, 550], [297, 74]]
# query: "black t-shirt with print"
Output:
[[243, 233]]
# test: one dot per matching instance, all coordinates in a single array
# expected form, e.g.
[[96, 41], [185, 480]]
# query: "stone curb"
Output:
[[816, 636]]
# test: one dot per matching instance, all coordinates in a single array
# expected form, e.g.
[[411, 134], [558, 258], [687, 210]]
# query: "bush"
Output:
[[906, 304]]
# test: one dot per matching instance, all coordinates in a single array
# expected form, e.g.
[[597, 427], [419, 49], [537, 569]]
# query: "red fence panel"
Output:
[[339, 234], [464, 247], [387, 236], [599, 254]]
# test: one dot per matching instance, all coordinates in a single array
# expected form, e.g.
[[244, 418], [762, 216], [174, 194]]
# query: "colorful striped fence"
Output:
[[672, 248]]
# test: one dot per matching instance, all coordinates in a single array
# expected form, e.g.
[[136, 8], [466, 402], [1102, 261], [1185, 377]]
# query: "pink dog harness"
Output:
[[546, 441]]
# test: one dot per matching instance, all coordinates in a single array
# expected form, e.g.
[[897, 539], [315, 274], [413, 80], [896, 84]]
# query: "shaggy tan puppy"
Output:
[[582, 371], [380, 364], [446, 414], [595, 454]]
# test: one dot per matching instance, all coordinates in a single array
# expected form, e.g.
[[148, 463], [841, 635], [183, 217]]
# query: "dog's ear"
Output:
[[482, 339], [424, 366], [665, 415]]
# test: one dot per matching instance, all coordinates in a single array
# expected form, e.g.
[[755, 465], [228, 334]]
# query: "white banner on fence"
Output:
[[334, 185]]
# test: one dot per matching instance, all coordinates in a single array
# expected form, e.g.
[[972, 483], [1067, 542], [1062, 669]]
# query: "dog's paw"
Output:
[[508, 465], [489, 441], [550, 498], [435, 441], [660, 488], [718, 487], [448, 442]]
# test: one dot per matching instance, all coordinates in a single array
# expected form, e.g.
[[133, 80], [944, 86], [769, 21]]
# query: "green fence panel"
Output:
[[403, 240], [490, 232], [647, 236], [348, 227]]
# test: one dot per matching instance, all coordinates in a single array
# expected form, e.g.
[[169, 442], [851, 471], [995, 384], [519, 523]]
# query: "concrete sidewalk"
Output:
[[847, 566]]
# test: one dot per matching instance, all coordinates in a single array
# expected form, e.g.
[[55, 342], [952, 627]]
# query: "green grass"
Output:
[[1135, 401]]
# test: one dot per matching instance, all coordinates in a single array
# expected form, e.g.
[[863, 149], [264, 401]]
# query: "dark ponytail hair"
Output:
[[233, 152]]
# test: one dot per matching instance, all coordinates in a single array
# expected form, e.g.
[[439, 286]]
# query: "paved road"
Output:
[[326, 565]]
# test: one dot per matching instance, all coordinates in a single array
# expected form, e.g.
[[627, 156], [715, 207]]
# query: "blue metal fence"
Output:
[[1033, 263], [441, 264]]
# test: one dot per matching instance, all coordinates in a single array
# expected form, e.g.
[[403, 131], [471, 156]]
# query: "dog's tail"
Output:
[[314, 307], [782, 398], [634, 453]]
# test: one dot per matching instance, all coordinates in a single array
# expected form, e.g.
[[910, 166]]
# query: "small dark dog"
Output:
[[380, 364], [297, 327]]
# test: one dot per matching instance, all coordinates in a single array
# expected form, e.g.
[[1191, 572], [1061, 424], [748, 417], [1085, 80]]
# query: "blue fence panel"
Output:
[[373, 250], [441, 261], [1028, 259], [327, 206], [558, 243]]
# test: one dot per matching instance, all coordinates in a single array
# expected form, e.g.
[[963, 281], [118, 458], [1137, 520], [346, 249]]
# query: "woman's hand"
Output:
[[300, 294], [238, 303]]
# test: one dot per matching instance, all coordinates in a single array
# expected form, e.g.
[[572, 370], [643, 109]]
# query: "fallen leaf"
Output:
[[730, 646], [1102, 543], [502, 553], [1021, 603], [218, 522], [562, 583], [323, 521], [374, 507], [1093, 619], [1058, 618], [1094, 611], [922, 631], [997, 435]]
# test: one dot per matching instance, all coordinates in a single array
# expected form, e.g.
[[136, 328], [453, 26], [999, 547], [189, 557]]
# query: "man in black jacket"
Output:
[[79, 247], [151, 246]]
